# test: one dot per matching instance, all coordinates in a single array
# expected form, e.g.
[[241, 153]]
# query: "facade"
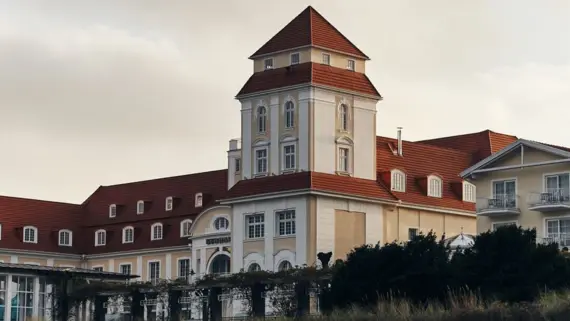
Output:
[[307, 175], [527, 184]]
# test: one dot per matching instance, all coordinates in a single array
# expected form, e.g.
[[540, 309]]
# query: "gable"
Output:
[[528, 156]]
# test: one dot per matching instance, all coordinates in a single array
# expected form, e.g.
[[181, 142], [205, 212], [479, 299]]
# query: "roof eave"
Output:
[[268, 54]]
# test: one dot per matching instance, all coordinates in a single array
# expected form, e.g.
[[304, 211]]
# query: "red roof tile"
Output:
[[309, 73], [309, 28]]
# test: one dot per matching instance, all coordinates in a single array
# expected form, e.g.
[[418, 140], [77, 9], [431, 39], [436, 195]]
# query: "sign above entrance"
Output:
[[219, 240]]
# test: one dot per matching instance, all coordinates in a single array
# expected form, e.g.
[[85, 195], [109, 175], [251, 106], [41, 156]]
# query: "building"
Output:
[[307, 175], [527, 183]]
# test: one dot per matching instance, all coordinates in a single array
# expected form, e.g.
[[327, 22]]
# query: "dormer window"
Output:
[[434, 186], [169, 203], [469, 192], [295, 58], [65, 238], [113, 210], [156, 232], [185, 228], [198, 200], [398, 181], [30, 234], [268, 63], [128, 234], [140, 207], [100, 238], [350, 65]]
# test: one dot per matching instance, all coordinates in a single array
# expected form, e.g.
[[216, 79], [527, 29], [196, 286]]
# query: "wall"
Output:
[[315, 55]]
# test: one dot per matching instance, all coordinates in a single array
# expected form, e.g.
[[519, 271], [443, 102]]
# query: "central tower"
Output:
[[308, 106]]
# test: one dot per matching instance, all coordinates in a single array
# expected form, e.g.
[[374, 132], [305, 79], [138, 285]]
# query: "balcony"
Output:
[[500, 204], [550, 201], [563, 240]]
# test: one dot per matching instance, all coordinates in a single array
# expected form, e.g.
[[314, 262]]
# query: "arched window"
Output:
[[343, 117], [261, 119], [398, 181], [113, 210], [198, 200], [65, 238], [285, 265], [254, 267], [185, 228], [221, 223], [128, 234], [30, 234], [140, 207], [100, 238], [169, 203], [289, 114], [434, 186], [221, 264], [156, 231]]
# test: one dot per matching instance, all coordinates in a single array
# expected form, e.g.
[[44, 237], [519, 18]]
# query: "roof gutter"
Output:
[[510, 167]]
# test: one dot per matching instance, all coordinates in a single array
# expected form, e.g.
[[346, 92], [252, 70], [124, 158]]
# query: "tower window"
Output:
[[343, 154], [261, 119], [268, 63], [289, 157], [343, 117], [237, 165], [295, 58], [326, 59], [261, 161], [289, 114], [350, 64]]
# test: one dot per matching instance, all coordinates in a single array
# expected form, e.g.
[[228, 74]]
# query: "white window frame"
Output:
[[292, 221], [113, 210], [267, 66], [343, 117], [130, 265], [291, 62], [289, 114], [285, 155], [237, 165], [507, 179], [256, 159], [261, 123], [99, 268], [35, 238], [70, 237], [140, 207], [124, 234], [152, 228], [395, 185], [185, 232], [344, 161], [198, 200], [178, 267], [169, 203], [435, 186], [326, 59], [545, 177], [97, 243], [220, 219], [261, 224], [149, 270], [494, 224], [351, 64], [469, 197]]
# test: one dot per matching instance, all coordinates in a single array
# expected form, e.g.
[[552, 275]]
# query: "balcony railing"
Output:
[[563, 239], [551, 200], [498, 204]]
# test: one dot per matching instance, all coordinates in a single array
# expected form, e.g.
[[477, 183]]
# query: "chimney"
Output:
[[234, 144], [400, 152]]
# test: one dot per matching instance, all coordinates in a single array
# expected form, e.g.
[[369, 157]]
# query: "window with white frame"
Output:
[[295, 58], [98, 268], [128, 234], [255, 225], [350, 65], [268, 63], [30, 234], [343, 117], [289, 114], [502, 224], [125, 268], [198, 200], [153, 270], [169, 203], [261, 119], [156, 232], [185, 228], [469, 192], [100, 237], [289, 157], [398, 181], [434, 186], [261, 161], [326, 59], [504, 193], [113, 210], [221, 223], [343, 159], [285, 222], [558, 231], [558, 186], [183, 268], [237, 165], [65, 238], [140, 207]]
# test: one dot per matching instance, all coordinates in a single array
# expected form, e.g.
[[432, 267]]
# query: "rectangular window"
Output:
[[285, 222], [501, 224], [153, 271], [295, 58], [125, 269], [326, 59], [504, 194], [350, 65], [412, 233], [183, 268], [289, 157], [98, 268], [558, 231], [255, 224], [558, 186], [268, 63], [469, 193], [343, 159], [237, 165], [261, 161]]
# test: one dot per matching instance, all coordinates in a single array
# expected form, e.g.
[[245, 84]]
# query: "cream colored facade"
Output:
[[526, 184]]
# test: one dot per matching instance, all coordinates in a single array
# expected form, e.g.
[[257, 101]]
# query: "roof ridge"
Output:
[[37, 200], [311, 9], [163, 178], [428, 145]]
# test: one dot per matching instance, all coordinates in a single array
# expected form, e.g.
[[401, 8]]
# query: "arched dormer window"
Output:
[[261, 119], [100, 238], [398, 181], [128, 234], [30, 234], [185, 228], [113, 210], [140, 207], [289, 114], [343, 117], [156, 232], [434, 185], [65, 238], [169, 203]]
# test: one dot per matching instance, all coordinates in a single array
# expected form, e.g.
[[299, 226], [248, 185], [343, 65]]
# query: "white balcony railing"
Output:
[[562, 239], [498, 204], [550, 200]]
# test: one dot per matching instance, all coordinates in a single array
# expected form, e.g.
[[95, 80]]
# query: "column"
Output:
[[303, 110], [168, 267], [8, 298], [36, 300]]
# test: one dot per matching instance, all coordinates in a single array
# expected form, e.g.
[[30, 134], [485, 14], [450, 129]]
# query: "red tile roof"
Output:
[[309, 28], [309, 73]]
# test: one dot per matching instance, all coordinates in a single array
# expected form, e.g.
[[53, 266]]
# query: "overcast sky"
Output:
[[114, 91]]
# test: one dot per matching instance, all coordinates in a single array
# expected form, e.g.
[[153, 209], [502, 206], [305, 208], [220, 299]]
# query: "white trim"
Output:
[[246, 226], [35, 229], [139, 203], [439, 192], [516, 222], [178, 265], [506, 179], [465, 185], [123, 234], [70, 237], [393, 186], [294, 112], [148, 268], [204, 212], [97, 237], [335, 90], [209, 264], [125, 264], [544, 175], [347, 169], [284, 255], [291, 58], [169, 201], [198, 200], [185, 233], [309, 46], [252, 258], [152, 227], [112, 210]]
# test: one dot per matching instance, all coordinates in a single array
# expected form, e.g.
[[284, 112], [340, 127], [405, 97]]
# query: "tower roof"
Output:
[[309, 28]]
